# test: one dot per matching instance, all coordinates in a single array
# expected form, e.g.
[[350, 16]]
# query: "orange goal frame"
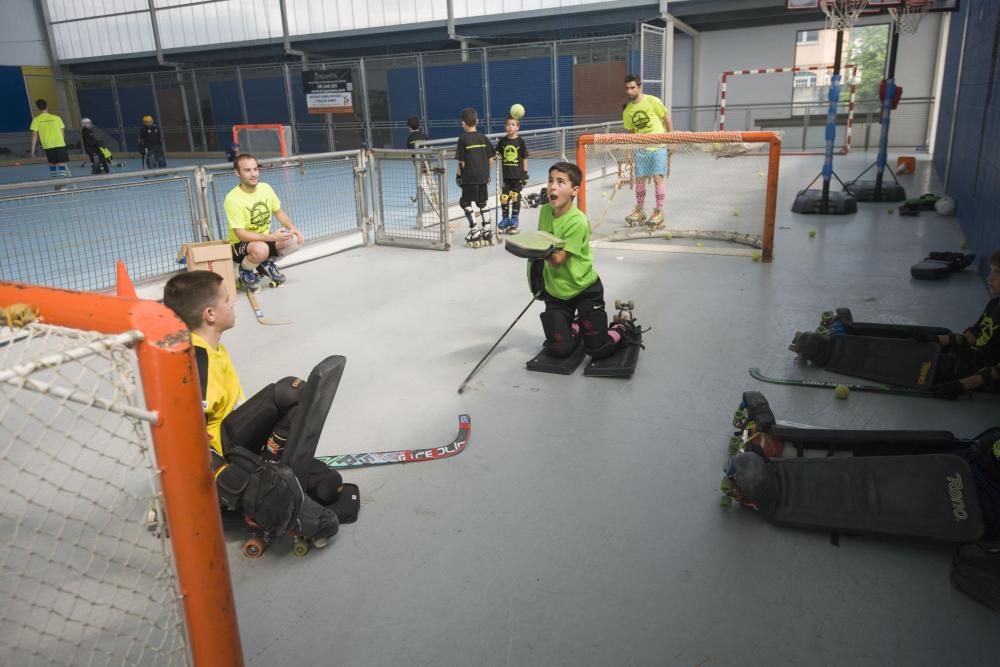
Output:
[[773, 161], [171, 389], [266, 126]]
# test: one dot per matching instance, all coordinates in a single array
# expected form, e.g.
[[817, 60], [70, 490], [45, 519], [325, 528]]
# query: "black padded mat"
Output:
[[621, 364], [543, 362], [900, 362]]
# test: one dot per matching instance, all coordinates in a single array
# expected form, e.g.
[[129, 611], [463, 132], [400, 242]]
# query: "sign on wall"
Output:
[[328, 91]]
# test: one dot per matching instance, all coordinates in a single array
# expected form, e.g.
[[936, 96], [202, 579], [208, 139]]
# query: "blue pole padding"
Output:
[[883, 139], [831, 126]]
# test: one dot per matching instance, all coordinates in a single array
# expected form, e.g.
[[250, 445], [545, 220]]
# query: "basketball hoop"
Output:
[[842, 14], [909, 14]]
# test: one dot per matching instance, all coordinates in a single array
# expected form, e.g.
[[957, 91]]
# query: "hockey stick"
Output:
[[258, 313], [756, 374], [461, 387], [367, 459]]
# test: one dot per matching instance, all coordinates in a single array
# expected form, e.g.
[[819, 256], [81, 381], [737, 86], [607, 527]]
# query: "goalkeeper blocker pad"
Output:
[[533, 245]]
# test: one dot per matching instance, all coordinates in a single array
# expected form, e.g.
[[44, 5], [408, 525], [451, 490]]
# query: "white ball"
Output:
[[945, 206]]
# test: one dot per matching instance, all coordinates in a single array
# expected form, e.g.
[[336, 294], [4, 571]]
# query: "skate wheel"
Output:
[[300, 548], [735, 443], [822, 331], [725, 502], [254, 547], [618, 304], [740, 418], [726, 486], [826, 317], [630, 305]]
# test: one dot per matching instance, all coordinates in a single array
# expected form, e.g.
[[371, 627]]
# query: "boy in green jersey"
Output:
[[572, 290]]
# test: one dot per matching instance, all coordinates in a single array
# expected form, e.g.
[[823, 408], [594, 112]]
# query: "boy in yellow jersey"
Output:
[[48, 128], [247, 436], [645, 114], [572, 290], [249, 208]]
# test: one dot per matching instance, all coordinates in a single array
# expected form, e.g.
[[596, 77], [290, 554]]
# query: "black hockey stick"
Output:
[[461, 387], [756, 374], [368, 459]]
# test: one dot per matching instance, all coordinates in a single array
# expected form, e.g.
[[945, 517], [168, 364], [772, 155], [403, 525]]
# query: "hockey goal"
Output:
[[101, 437], [718, 185], [264, 141]]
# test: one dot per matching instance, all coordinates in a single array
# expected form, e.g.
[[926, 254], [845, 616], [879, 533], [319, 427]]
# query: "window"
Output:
[[804, 80], [807, 37]]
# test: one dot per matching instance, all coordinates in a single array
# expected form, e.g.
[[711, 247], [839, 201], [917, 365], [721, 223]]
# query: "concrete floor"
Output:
[[582, 524]]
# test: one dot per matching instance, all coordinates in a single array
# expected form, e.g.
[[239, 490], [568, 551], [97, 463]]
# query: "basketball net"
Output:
[[909, 14], [842, 14]]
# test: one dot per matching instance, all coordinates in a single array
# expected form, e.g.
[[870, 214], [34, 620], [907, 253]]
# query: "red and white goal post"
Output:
[[852, 81], [264, 141], [102, 435], [718, 185]]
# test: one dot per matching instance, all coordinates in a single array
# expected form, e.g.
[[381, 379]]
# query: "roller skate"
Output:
[[504, 225], [655, 221], [257, 540], [514, 227], [474, 238], [624, 322], [812, 347], [270, 271], [488, 238], [636, 217], [833, 322], [250, 279]]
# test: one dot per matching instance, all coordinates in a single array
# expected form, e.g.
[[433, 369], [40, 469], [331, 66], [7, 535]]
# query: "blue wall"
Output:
[[974, 179], [15, 112]]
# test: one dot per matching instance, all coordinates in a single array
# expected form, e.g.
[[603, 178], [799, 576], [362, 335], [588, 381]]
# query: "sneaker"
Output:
[[269, 270], [250, 279], [630, 331], [656, 219], [636, 217]]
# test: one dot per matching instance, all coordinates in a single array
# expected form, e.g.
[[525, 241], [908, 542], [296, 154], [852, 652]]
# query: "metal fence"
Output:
[[70, 233]]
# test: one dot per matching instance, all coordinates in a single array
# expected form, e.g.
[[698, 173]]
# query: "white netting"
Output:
[[265, 142], [842, 14], [82, 579], [715, 187], [909, 14]]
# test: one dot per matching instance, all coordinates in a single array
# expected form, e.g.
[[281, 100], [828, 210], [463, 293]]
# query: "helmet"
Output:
[[85, 121], [147, 119]]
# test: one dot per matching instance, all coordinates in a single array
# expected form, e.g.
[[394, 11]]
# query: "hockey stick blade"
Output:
[[368, 459], [756, 374], [258, 313]]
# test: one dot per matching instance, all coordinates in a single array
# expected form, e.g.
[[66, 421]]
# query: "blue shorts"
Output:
[[650, 163]]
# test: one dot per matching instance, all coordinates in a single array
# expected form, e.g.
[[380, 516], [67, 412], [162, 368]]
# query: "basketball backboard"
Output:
[[874, 6]]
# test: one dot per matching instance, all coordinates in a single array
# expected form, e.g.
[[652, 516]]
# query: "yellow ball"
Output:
[[964, 245], [755, 257], [736, 212], [812, 233], [668, 236], [517, 111], [699, 244], [842, 391]]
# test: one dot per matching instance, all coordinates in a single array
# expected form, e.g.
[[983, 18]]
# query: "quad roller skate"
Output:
[[503, 225], [514, 227], [832, 322], [259, 539], [655, 221], [474, 237], [624, 321], [250, 280], [488, 238], [636, 217], [270, 271]]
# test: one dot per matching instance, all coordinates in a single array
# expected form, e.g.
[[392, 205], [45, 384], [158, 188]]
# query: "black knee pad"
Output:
[[287, 391], [560, 340], [322, 483], [594, 330]]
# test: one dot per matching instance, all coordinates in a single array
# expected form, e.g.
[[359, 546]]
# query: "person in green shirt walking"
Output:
[[48, 128]]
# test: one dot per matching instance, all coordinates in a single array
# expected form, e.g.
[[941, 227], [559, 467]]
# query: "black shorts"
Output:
[[512, 184], [240, 250], [57, 155], [478, 193]]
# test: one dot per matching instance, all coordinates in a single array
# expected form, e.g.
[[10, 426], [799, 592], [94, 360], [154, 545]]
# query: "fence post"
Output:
[[486, 90], [291, 109], [118, 112], [555, 86], [201, 181], [197, 108], [156, 110], [365, 110], [243, 96]]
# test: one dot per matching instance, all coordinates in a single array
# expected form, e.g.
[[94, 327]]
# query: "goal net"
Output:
[[264, 141], [717, 186], [95, 450]]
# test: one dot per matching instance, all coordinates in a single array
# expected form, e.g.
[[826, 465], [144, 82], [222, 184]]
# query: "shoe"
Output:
[[250, 279], [636, 217], [271, 272], [656, 219]]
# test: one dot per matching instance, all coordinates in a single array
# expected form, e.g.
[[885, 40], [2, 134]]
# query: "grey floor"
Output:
[[582, 524]]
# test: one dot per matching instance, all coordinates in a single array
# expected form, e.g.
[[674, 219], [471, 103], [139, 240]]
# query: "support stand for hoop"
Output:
[[824, 202]]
